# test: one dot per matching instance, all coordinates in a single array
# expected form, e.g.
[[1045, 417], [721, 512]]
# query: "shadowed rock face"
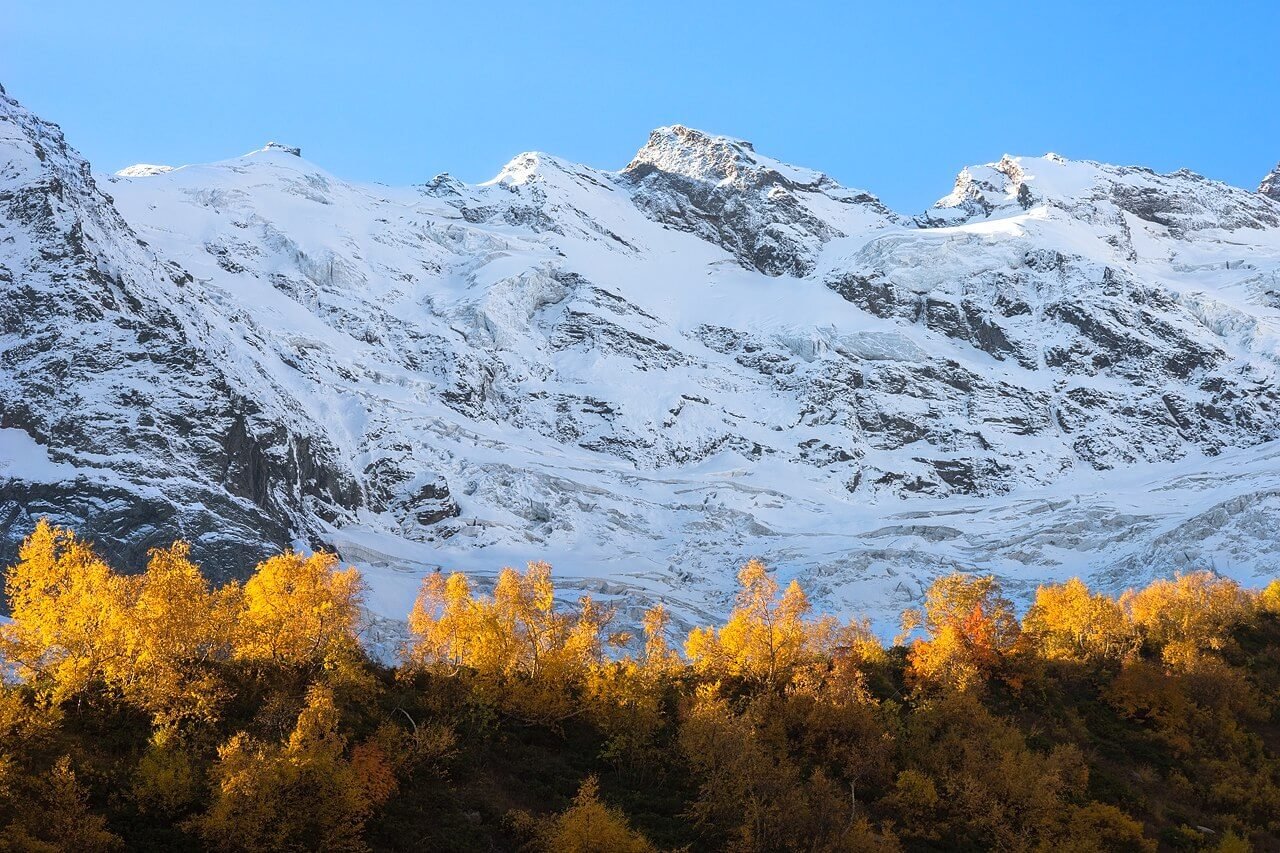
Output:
[[656, 372], [1270, 186], [105, 365], [1167, 386], [758, 209]]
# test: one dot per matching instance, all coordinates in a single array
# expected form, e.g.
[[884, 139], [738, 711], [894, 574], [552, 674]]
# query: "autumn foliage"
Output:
[[152, 711]]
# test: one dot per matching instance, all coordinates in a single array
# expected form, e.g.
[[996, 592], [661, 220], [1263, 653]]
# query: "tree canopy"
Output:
[[153, 711]]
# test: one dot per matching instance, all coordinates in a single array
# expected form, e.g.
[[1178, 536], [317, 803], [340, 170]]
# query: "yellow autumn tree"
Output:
[[1095, 826], [66, 605], [747, 785], [305, 794], [521, 630], [844, 655], [515, 632], [174, 627], [299, 611], [1188, 616], [443, 622], [765, 638], [589, 826], [524, 652], [146, 638], [1269, 598], [659, 657], [970, 626], [1067, 622], [626, 695], [167, 779]]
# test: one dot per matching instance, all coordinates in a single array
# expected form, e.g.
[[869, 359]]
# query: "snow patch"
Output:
[[143, 170]]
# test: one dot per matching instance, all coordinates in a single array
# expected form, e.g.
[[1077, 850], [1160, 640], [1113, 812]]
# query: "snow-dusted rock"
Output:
[[283, 149], [771, 216], [1270, 185], [113, 373]]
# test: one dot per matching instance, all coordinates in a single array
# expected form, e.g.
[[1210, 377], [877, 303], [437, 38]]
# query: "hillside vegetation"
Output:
[[151, 711]]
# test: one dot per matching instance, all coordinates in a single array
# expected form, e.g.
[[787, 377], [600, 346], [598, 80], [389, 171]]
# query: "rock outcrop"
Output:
[[1270, 186]]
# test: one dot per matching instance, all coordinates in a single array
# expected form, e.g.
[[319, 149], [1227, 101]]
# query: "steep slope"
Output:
[[648, 375], [114, 414], [1130, 310]]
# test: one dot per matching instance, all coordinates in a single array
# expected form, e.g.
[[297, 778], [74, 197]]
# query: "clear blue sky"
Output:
[[893, 97]]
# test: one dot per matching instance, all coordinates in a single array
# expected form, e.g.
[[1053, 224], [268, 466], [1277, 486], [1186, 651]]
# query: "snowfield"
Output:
[[645, 376]]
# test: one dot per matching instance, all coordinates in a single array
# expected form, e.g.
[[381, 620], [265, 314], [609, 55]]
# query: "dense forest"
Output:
[[150, 711]]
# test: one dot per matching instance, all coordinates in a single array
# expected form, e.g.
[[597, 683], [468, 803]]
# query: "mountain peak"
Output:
[[143, 170], [528, 167], [1270, 185], [770, 215], [980, 190], [282, 148], [715, 159], [1182, 201]]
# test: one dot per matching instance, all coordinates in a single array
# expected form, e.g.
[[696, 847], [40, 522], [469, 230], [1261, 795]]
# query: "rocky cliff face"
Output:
[[110, 368], [769, 215], [1270, 185], [1094, 276], [647, 375]]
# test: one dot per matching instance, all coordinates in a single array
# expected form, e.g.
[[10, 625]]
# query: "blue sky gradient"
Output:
[[890, 97]]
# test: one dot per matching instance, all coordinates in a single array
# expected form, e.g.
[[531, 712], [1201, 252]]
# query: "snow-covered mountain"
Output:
[[647, 375]]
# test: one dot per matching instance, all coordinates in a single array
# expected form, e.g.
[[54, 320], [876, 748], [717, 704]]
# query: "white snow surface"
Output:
[[143, 170], [22, 458], [602, 385]]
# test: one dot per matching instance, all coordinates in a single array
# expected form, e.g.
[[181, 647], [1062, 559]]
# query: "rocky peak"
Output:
[[771, 216], [530, 167], [1184, 202], [1270, 185], [980, 191], [1181, 201], [442, 185], [283, 149], [719, 160], [33, 150]]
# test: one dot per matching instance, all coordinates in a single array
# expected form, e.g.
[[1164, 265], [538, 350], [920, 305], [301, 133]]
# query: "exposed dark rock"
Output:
[[719, 189], [284, 149], [101, 367], [1270, 186]]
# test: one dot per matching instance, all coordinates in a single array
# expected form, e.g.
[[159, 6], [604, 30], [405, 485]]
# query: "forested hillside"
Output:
[[148, 710]]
